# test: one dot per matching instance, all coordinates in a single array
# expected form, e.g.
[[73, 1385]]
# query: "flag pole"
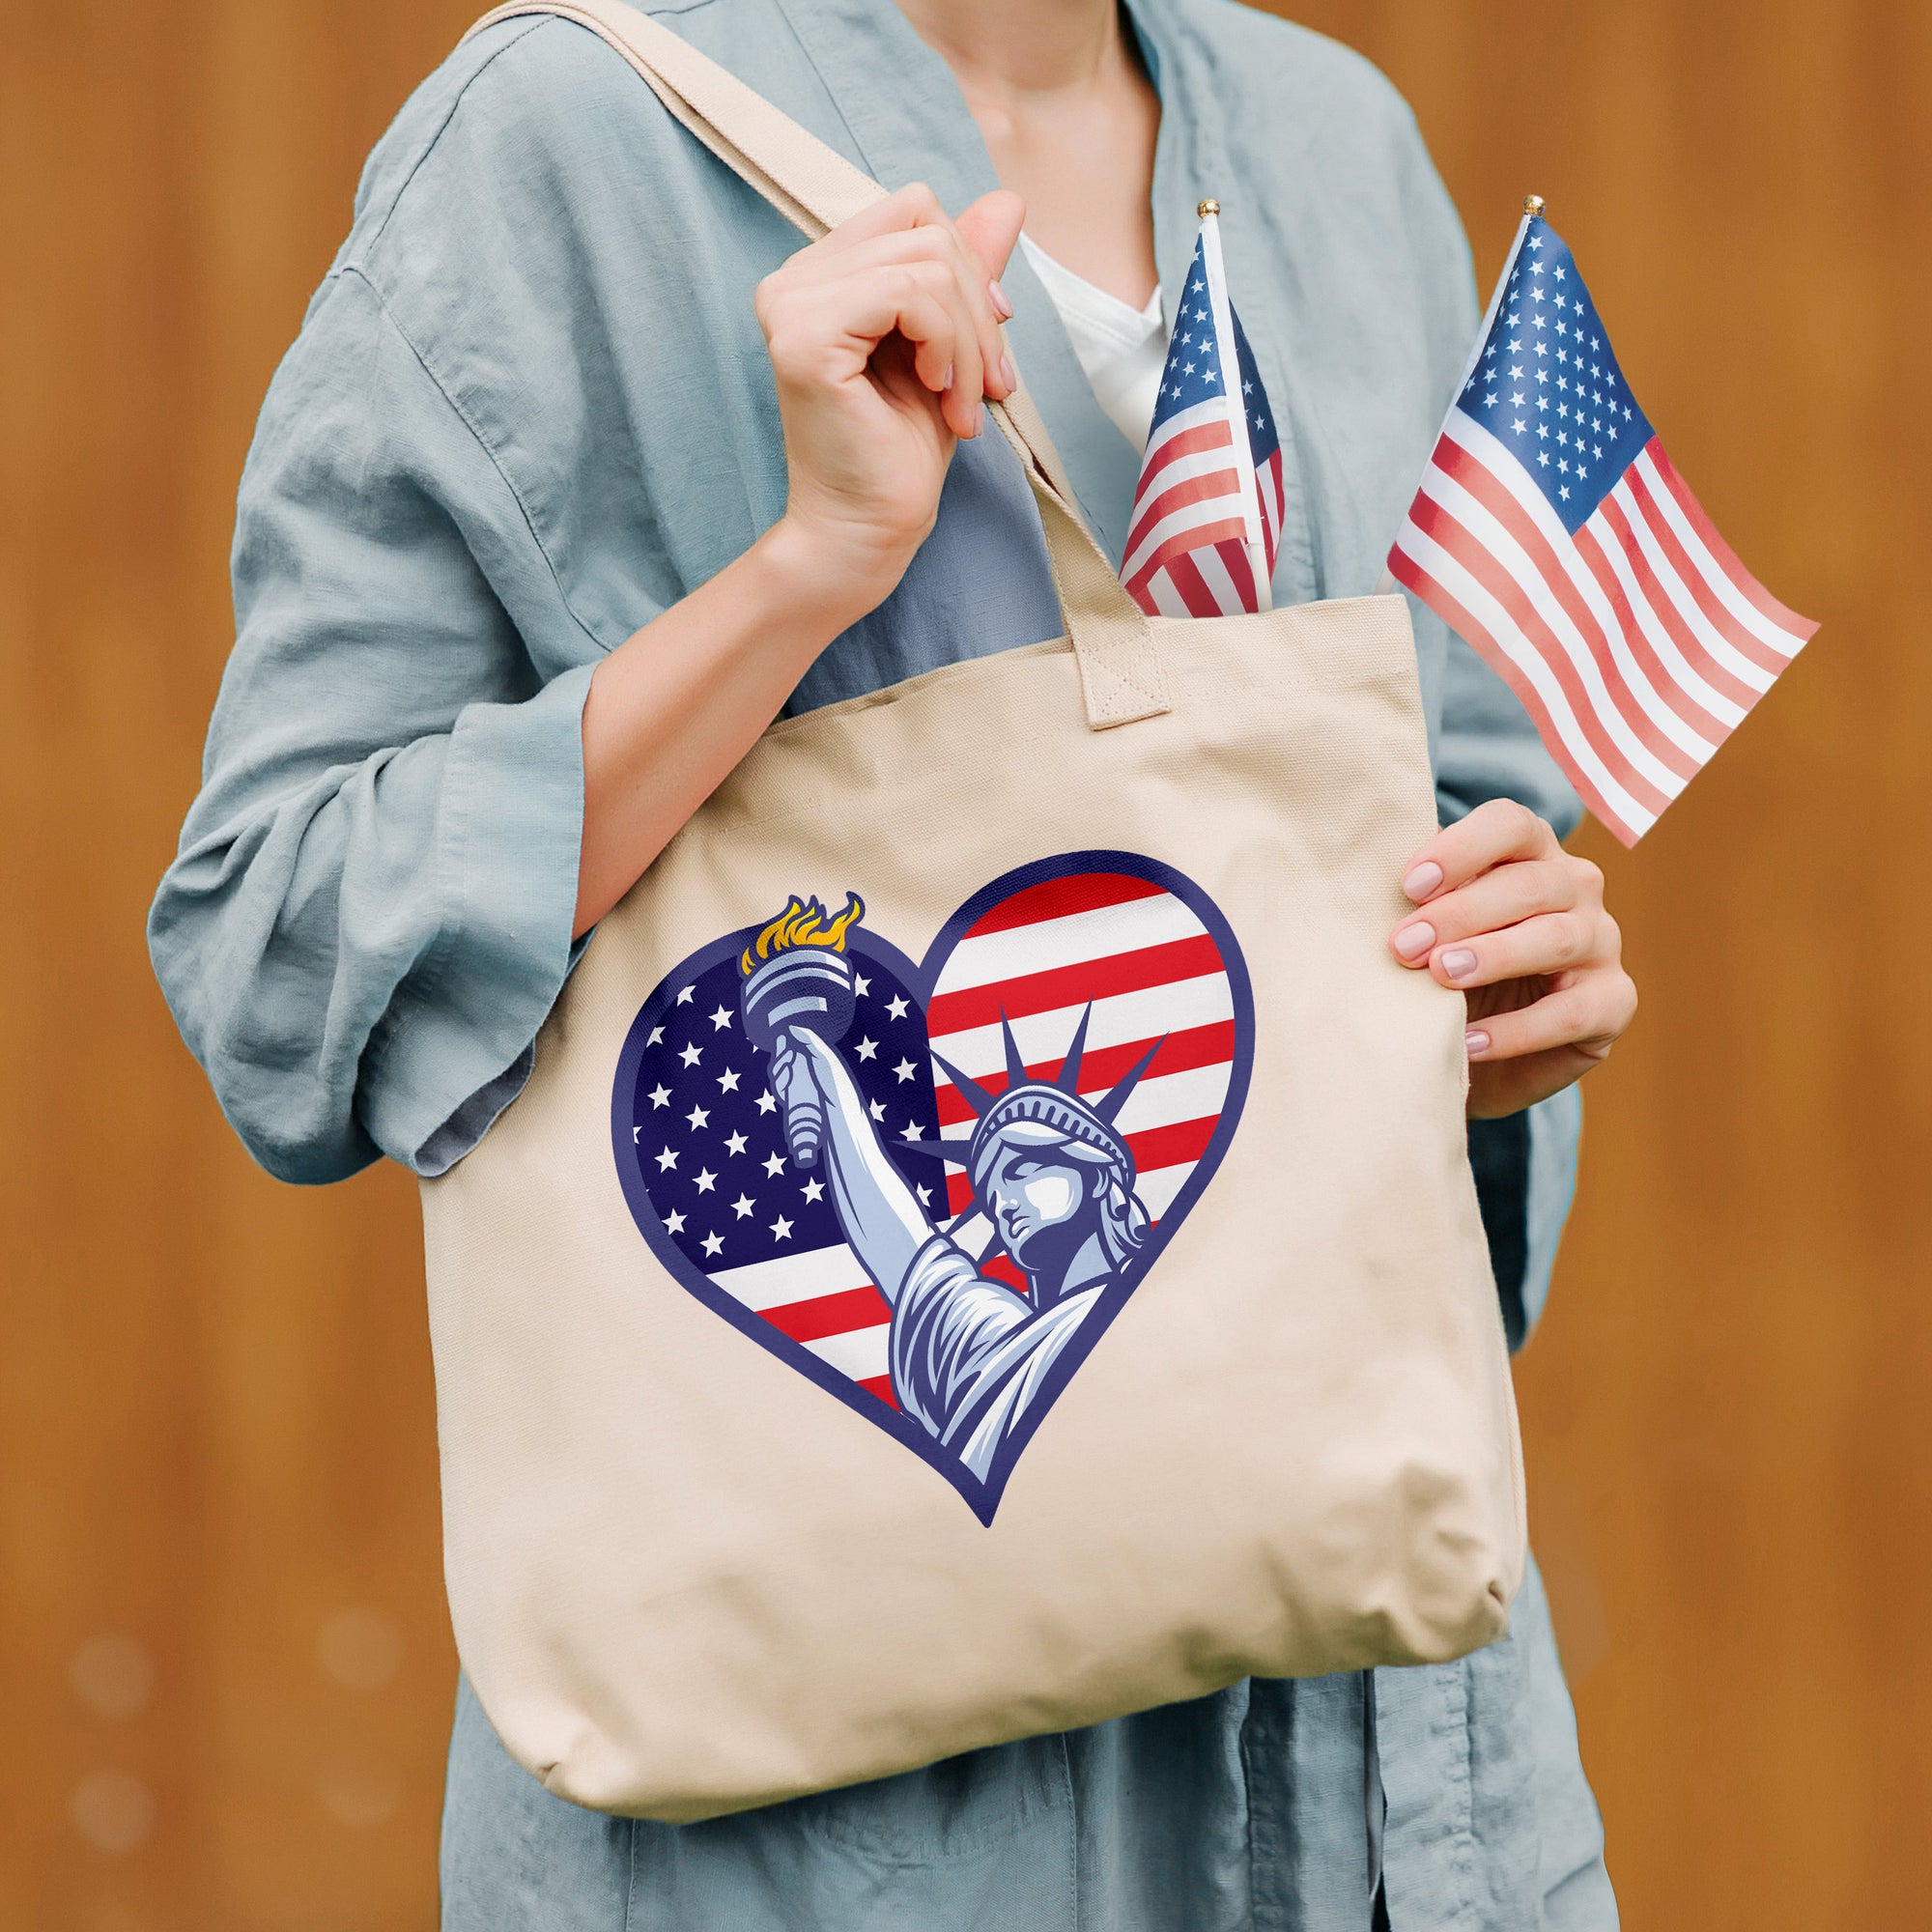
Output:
[[1210, 212], [1533, 205]]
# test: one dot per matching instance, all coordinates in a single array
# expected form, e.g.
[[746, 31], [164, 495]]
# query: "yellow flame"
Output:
[[804, 923]]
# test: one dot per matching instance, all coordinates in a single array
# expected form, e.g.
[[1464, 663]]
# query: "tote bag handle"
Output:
[[816, 189]]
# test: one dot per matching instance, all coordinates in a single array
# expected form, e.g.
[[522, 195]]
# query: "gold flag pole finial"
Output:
[[1206, 208], [1533, 205]]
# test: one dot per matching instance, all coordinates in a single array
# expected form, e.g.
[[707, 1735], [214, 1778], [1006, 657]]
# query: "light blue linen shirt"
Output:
[[528, 410]]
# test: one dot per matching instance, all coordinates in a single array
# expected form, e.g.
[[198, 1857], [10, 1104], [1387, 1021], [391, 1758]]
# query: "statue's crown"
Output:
[[1055, 1104]]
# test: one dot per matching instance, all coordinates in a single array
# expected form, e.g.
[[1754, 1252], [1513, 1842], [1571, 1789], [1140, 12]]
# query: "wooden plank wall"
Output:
[[225, 1668]]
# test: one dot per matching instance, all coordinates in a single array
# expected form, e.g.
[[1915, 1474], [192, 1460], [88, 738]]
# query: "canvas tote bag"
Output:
[[782, 1452]]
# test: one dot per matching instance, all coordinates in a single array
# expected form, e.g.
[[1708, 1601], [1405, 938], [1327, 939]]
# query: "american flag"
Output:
[[1553, 534], [707, 1132], [1207, 511]]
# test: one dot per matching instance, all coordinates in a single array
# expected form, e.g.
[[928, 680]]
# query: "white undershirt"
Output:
[[1121, 349]]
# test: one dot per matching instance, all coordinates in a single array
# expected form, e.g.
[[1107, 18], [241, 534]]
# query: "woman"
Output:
[[580, 471]]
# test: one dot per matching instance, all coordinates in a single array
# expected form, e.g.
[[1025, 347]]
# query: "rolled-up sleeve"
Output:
[[370, 914]]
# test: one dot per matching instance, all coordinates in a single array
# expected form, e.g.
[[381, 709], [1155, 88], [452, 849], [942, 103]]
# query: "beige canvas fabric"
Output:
[[690, 1570]]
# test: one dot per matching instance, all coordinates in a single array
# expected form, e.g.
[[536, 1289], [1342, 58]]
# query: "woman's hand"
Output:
[[1518, 925], [884, 338]]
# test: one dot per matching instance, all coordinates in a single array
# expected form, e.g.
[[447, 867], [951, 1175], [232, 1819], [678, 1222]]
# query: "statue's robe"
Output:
[[969, 1355]]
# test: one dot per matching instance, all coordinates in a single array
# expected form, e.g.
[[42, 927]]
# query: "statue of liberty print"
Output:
[[970, 1357]]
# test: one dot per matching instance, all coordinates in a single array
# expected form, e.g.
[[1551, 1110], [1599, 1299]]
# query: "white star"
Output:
[[860, 984], [912, 1132], [925, 1195], [1562, 274], [1189, 370], [765, 1101], [691, 1055], [734, 1144], [657, 1033], [699, 1117], [782, 1230], [1521, 426], [905, 1069], [743, 1206], [867, 1048], [660, 1095], [713, 1243], [707, 1181], [667, 1161], [1563, 491], [1543, 458], [727, 1081], [775, 1164], [1516, 397], [673, 1223], [815, 1190], [683, 998], [722, 1018], [876, 1108], [896, 1006]]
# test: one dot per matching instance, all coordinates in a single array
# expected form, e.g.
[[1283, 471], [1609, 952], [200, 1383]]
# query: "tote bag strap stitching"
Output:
[[816, 189]]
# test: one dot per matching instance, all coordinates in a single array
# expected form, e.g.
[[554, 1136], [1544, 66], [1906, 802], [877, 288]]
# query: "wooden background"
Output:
[[225, 1670]]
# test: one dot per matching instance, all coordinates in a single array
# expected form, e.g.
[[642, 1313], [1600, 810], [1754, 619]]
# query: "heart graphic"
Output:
[[931, 1187]]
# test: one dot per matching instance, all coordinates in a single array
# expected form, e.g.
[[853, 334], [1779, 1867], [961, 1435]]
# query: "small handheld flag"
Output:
[[1207, 516], [1554, 535]]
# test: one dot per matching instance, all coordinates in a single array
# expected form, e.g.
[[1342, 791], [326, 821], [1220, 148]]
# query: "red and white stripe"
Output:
[[1637, 645], [1187, 547], [1150, 969]]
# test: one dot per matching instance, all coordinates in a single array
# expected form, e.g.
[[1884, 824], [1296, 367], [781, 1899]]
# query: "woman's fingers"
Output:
[[829, 332], [1543, 947], [910, 228], [991, 229], [1586, 1017], [1500, 897], [1494, 834]]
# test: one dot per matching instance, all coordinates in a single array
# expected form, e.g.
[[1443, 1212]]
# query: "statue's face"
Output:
[[1040, 1204]]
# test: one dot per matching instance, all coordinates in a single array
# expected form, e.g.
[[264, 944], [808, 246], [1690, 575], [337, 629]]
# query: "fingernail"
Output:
[[1423, 881], [978, 418], [1458, 963], [1477, 1041], [1413, 941], [945, 380], [997, 295], [1009, 375]]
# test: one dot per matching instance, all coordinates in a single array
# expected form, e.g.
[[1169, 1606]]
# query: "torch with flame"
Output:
[[797, 978]]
